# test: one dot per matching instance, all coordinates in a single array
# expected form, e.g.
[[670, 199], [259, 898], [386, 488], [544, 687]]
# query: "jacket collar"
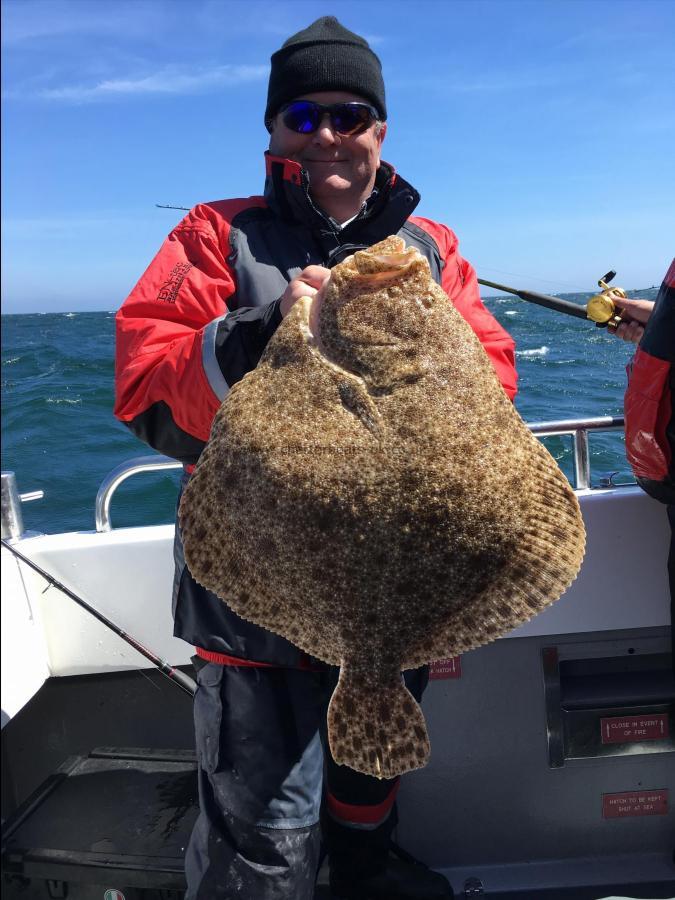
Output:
[[385, 212]]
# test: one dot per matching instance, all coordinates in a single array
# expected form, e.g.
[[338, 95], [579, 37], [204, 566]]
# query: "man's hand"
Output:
[[308, 283], [635, 315]]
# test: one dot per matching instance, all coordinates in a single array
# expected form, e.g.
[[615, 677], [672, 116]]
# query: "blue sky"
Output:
[[541, 132]]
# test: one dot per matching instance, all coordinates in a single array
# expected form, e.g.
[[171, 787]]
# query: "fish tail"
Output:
[[376, 729]]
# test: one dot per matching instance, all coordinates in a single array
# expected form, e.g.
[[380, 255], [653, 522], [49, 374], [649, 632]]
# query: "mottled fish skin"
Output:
[[370, 493]]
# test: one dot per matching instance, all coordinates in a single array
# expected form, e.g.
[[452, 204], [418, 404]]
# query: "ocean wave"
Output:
[[13, 359], [540, 351], [63, 400], [50, 371], [70, 315], [511, 312]]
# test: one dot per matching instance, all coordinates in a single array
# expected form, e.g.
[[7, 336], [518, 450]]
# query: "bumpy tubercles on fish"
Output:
[[376, 729]]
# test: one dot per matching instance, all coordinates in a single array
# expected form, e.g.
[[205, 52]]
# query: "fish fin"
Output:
[[376, 729], [356, 400]]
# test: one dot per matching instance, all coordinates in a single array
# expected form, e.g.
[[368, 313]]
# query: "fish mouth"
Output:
[[382, 267], [386, 275], [392, 260]]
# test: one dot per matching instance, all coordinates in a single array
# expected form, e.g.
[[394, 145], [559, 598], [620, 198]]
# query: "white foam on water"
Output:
[[69, 315], [511, 312], [540, 351], [8, 362], [63, 400]]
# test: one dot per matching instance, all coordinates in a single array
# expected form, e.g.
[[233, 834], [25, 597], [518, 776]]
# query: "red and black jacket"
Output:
[[204, 310], [649, 404]]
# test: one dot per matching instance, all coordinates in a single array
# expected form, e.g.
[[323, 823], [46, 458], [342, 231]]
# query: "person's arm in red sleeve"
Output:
[[649, 404], [179, 349], [460, 283]]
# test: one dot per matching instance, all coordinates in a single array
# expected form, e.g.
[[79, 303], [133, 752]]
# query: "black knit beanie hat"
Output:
[[324, 57]]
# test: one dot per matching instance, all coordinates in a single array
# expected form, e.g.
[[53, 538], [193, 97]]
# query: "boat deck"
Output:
[[551, 775]]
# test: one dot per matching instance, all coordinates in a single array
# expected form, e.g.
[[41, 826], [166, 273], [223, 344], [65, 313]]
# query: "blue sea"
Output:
[[59, 433]]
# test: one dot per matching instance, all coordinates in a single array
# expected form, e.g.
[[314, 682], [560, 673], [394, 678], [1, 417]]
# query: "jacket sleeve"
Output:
[[460, 283], [179, 344], [649, 403]]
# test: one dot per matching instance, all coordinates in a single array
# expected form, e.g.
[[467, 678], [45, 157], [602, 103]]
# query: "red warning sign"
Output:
[[635, 803], [625, 729], [446, 668]]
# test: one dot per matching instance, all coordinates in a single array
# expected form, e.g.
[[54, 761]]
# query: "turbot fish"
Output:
[[370, 493]]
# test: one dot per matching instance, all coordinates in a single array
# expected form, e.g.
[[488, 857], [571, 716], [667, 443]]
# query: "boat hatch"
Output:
[[141, 806]]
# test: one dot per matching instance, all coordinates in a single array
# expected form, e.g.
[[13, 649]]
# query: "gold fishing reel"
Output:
[[601, 309]]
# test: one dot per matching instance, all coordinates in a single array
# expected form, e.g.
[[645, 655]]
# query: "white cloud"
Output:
[[26, 21], [375, 40], [33, 24], [166, 81], [46, 227]]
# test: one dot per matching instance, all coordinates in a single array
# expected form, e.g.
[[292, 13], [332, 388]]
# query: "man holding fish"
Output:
[[198, 320]]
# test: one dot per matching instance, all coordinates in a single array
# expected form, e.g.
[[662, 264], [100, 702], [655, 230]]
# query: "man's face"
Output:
[[341, 168]]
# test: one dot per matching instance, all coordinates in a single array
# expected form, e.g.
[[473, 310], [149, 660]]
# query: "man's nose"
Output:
[[325, 135]]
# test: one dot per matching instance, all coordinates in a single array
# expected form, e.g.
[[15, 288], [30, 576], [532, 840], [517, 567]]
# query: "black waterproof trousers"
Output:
[[263, 754]]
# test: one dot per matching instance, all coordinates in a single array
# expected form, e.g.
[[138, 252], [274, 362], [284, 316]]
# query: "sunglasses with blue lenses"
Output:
[[347, 119]]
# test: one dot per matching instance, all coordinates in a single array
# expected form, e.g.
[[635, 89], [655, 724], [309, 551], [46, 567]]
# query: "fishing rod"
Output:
[[183, 681], [600, 309]]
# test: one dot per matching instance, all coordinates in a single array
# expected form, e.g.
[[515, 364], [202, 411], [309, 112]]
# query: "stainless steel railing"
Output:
[[119, 474], [578, 429], [12, 518]]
